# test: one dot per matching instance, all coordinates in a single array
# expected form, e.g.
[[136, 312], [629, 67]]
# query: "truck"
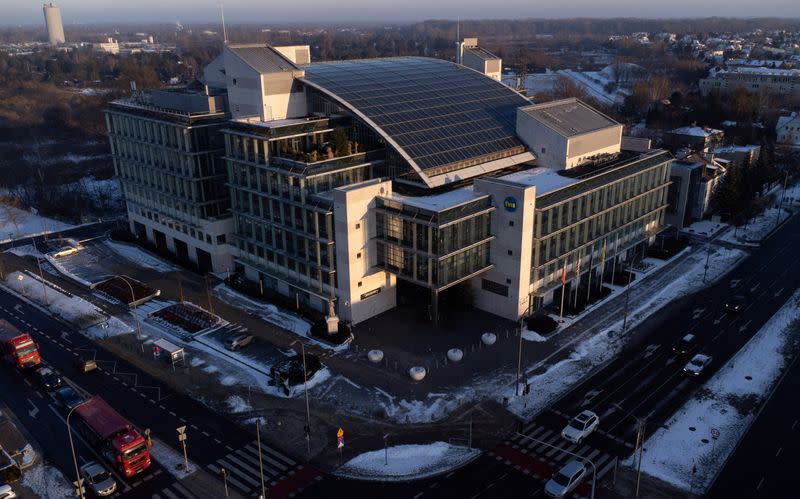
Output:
[[117, 440], [18, 348]]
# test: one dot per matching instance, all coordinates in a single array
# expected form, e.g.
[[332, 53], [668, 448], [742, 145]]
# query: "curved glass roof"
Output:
[[440, 116]]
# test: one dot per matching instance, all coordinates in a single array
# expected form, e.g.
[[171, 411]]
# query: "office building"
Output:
[[167, 150], [52, 21], [784, 82]]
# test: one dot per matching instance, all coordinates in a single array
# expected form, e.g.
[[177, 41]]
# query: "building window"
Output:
[[508, 280], [359, 284], [221, 239], [494, 287], [234, 82], [510, 223], [544, 150], [510, 252], [358, 255], [358, 226]]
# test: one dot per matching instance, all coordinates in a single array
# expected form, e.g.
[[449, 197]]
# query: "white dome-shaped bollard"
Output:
[[455, 354], [417, 373], [375, 356], [488, 339]]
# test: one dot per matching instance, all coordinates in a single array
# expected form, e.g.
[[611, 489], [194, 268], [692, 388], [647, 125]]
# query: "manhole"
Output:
[[704, 440], [692, 428], [748, 378]]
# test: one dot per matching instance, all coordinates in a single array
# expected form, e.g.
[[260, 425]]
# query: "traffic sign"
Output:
[[19, 277], [340, 433], [714, 433], [341, 443], [181, 429]]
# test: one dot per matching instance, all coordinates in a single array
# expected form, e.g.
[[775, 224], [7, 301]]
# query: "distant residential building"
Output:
[[753, 79], [788, 130], [52, 21], [167, 150], [693, 182], [746, 155], [471, 55], [696, 138]]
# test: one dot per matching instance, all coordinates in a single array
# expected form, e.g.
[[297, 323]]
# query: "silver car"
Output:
[[237, 342], [98, 479], [566, 479]]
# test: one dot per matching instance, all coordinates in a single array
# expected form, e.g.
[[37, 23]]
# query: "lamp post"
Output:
[[305, 389], [224, 474], [133, 303], [580, 458], [72, 449], [640, 428], [519, 359]]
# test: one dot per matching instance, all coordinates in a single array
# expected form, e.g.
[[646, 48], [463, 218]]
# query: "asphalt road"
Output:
[[213, 441], [765, 463], [645, 381]]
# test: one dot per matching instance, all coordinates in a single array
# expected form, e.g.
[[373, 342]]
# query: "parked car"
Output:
[[48, 379], [12, 440], [290, 371], [98, 479], [240, 341], [68, 398], [6, 492], [85, 365], [580, 427], [566, 479], [685, 345], [697, 365], [735, 304]]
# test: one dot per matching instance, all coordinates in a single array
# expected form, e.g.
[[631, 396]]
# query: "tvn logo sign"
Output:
[[510, 204]]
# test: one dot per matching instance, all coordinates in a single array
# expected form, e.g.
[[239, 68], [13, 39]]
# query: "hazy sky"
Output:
[[323, 11]]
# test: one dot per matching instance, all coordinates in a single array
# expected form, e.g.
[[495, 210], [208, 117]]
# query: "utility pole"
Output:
[[519, 359], [640, 433], [182, 439], [386, 449], [305, 388], [708, 257], [41, 276], [260, 462], [208, 294], [627, 300]]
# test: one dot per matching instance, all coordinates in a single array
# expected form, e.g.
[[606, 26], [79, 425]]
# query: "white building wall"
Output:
[[549, 146], [244, 87], [363, 289], [582, 147], [511, 251]]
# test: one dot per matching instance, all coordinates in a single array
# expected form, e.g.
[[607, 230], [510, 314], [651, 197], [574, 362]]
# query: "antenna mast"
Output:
[[224, 31]]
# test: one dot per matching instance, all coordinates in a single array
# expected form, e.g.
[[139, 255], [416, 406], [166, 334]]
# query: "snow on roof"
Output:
[[732, 149], [696, 131], [545, 179], [784, 120], [438, 202], [761, 70]]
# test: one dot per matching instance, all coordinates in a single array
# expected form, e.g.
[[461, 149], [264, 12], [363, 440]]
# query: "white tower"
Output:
[[52, 20]]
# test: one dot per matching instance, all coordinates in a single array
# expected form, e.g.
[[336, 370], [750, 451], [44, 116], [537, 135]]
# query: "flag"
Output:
[[564, 273], [603, 257], [578, 267]]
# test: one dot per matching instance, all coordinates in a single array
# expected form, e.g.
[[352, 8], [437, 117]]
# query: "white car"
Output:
[[6, 492], [566, 479], [580, 427], [697, 365]]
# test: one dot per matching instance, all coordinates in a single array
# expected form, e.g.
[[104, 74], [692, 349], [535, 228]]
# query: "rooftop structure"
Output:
[[569, 117]]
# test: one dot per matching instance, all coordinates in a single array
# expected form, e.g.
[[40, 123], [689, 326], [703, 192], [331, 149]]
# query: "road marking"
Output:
[[33, 412], [418, 495], [778, 293], [697, 313], [794, 424], [779, 452], [760, 483], [744, 327], [449, 474], [173, 414], [718, 320], [754, 288]]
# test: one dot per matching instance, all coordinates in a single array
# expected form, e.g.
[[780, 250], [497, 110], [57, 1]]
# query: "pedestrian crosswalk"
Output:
[[243, 469], [548, 445], [175, 491]]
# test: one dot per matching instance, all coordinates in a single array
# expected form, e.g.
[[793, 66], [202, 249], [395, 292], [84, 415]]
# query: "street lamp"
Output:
[[224, 474], [133, 302], [640, 424], [72, 448], [580, 458], [305, 388]]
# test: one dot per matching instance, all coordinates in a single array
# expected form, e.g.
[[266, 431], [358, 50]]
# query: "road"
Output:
[[645, 381], [80, 232], [766, 460], [214, 442]]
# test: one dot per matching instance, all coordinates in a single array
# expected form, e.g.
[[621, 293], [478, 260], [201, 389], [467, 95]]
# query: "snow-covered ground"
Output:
[[407, 462], [726, 403], [594, 84], [757, 227], [92, 321], [171, 459], [600, 346], [265, 311], [47, 482], [237, 404], [140, 256], [16, 223], [705, 228]]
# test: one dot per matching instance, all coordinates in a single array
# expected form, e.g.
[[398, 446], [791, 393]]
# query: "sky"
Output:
[[328, 11]]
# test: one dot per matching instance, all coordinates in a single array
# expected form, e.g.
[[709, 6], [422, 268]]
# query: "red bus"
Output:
[[18, 348], [113, 436]]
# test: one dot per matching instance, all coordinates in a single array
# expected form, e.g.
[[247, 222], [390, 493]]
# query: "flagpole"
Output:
[[614, 265], [563, 287], [577, 279], [589, 286]]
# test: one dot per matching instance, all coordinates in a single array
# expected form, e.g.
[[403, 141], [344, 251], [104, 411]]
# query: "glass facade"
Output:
[[433, 249], [622, 212]]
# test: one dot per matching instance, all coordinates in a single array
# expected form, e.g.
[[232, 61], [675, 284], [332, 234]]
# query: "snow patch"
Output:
[[171, 459], [16, 223], [407, 462], [238, 404], [532, 336], [47, 483], [140, 257]]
